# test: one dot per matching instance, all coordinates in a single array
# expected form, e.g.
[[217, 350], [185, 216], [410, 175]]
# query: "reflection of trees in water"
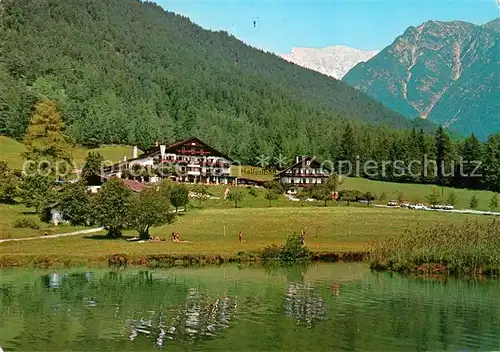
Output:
[[55, 280], [303, 304], [199, 317]]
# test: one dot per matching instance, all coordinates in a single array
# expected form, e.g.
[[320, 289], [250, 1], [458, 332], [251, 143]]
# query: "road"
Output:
[[458, 211], [74, 233]]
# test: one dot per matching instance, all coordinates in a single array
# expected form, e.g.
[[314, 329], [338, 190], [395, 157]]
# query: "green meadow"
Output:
[[11, 150], [211, 227], [212, 232]]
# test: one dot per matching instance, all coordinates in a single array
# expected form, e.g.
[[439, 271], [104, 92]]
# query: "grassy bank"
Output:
[[213, 234], [471, 248]]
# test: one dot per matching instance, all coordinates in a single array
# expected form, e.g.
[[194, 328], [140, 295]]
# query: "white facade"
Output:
[[194, 161], [303, 172]]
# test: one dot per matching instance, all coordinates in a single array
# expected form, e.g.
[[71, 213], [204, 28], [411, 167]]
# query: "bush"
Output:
[[272, 252], [292, 251], [26, 223]]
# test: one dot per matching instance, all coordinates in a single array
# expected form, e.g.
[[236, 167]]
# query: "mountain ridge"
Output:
[[334, 61], [447, 72]]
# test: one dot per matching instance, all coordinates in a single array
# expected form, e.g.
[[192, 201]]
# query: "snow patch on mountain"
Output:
[[334, 61]]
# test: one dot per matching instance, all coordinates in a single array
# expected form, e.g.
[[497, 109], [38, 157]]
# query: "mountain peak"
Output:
[[334, 61], [493, 25], [443, 71]]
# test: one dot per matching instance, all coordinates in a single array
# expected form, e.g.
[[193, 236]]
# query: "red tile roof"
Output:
[[135, 186]]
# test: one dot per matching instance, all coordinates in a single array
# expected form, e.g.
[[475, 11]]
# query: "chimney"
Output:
[[162, 151], [134, 152], [297, 159]]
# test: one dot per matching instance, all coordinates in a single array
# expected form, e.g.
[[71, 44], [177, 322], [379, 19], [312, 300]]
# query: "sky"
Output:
[[362, 24]]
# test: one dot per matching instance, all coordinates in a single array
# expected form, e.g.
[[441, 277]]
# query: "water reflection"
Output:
[[54, 280], [200, 316], [249, 309], [303, 304]]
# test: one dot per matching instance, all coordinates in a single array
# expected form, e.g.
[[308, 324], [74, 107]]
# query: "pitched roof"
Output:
[[314, 164], [172, 147], [134, 185]]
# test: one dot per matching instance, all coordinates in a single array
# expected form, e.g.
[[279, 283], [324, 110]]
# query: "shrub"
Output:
[[26, 223], [272, 252], [291, 251], [474, 202], [253, 192]]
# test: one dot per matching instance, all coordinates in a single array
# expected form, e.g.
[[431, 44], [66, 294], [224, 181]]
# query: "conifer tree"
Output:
[[44, 138], [443, 149]]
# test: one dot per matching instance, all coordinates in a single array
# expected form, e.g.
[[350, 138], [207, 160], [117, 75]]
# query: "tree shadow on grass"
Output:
[[8, 202], [105, 237]]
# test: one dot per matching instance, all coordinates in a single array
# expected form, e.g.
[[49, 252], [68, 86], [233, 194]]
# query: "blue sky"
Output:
[[363, 24]]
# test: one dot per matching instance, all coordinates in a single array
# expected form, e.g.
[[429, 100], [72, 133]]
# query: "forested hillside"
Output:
[[123, 71]]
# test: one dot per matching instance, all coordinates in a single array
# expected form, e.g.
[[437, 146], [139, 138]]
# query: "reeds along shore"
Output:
[[468, 249]]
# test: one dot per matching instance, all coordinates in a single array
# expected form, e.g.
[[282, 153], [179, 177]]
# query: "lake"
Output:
[[319, 307]]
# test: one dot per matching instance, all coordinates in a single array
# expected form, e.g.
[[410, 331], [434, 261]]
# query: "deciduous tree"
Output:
[[179, 196], [75, 203], [236, 197], [111, 206], [147, 209], [8, 183]]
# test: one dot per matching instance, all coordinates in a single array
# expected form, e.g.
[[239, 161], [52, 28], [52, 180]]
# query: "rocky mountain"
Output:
[[447, 72], [334, 61]]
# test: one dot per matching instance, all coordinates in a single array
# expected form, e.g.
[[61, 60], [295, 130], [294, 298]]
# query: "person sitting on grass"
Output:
[[175, 236]]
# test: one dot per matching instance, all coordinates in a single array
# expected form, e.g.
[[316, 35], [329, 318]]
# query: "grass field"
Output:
[[416, 193], [11, 150], [12, 212], [213, 232]]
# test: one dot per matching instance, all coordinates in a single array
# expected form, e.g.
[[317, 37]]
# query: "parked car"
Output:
[[393, 203], [436, 206], [447, 207], [418, 206], [405, 205], [363, 201]]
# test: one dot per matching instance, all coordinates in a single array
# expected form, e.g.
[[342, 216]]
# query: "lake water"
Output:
[[324, 307]]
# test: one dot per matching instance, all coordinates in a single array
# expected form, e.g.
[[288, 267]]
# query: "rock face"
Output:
[[447, 72], [333, 61]]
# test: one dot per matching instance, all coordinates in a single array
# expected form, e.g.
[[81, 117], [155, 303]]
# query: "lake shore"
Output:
[[161, 260]]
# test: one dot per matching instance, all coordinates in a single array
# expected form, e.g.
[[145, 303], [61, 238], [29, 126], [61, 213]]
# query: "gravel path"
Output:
[[81, 232]]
